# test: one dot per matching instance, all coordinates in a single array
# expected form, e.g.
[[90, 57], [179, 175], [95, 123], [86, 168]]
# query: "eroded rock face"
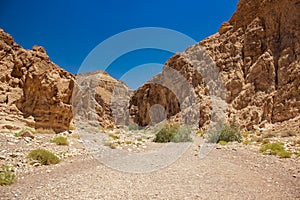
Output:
[[257, 54], [33, 90], [99, 99]]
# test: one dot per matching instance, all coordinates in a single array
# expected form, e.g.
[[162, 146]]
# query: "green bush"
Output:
[[60, 140], [7, 175], [275, 149], [227, 133], [43, 156], [173, 133]]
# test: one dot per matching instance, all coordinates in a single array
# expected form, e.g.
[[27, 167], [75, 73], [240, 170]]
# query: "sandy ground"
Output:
[[234, 171]]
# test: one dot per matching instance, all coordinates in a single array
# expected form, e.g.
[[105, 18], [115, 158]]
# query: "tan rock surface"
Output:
[[33, 90]]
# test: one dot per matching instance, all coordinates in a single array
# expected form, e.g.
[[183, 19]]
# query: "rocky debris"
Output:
[[99, 99], [27, 134], [257, 54], [129, 140], [33, 90], [14, 149]]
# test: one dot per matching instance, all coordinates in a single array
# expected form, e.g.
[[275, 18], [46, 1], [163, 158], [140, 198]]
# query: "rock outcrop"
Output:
[[33, 90], [99, 99], [257, 54]]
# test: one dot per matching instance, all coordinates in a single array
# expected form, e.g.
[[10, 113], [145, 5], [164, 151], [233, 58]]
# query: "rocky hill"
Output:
[[33, 90], [257, 54], [99, 99]]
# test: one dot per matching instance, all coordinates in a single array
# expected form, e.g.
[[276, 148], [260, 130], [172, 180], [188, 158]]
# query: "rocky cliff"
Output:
[[33, 90], [36, 92], [257, 54], [99, 99]]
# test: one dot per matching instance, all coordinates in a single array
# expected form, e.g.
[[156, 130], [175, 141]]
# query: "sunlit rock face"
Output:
[[33, 90], [257, 54]]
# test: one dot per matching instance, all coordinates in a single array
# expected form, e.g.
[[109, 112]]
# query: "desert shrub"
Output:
[[43, 156], [200, 133], [133, 127], [246, 142], [276, 148], [45, 131], [173, 133], [247, 133], [60, 140], [227, 133], [221, 142], [298, 153], [7, 175], [284, 154], [182, 135], [18, 134]]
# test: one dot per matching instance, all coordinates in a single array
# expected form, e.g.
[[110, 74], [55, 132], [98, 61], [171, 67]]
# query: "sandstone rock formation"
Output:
[[257, 54], [99, 99], [33, 90]]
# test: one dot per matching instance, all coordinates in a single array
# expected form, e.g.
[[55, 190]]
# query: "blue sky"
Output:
[[70, 30]]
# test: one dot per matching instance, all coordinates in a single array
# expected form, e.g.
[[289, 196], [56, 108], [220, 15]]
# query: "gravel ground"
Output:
[[234, 171]]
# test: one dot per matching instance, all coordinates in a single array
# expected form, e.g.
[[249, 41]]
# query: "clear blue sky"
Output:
[[70, 29]]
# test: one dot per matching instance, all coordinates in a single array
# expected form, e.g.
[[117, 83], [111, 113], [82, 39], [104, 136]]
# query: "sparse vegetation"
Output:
[[246, 134], [76, 136], [173, 133], [275, 149], [269, 135], [227, 133], [43, 156], [45, 131], [72, 127], [133, 126], [114, 136], [200, 133], [60, 140], [265, 141], [110, 144], [298, 153], [7, 175], [257, 139], [288, 134], [19, 134], [246, 142], [127, 142], [221, 142]]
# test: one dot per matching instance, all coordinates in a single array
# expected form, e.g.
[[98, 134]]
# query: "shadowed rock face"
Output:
[[146, 97], [33, 90], [258, 56]]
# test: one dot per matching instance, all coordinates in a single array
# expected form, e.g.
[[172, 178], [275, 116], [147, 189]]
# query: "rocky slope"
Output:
[[33, 90], [257, 54]]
